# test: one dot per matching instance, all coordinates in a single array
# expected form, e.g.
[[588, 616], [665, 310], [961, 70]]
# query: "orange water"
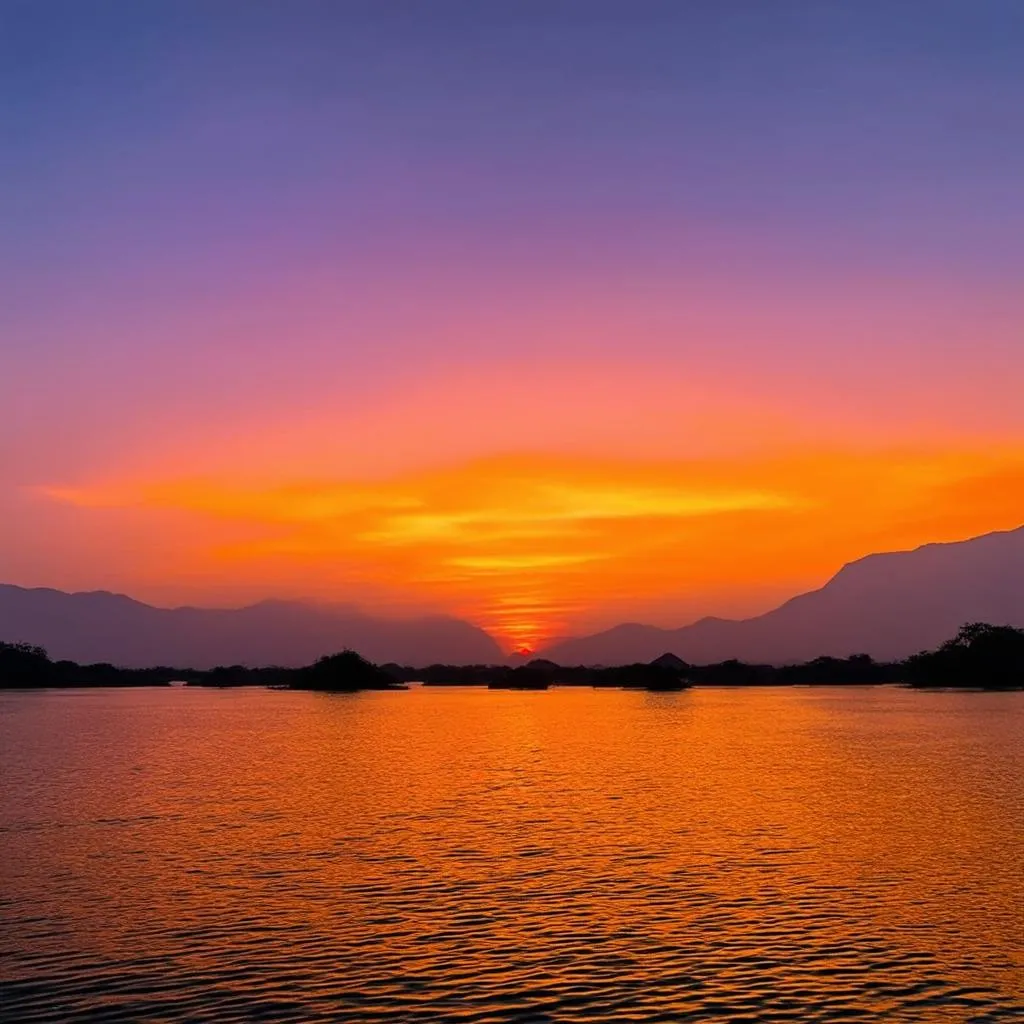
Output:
[[473, 855]]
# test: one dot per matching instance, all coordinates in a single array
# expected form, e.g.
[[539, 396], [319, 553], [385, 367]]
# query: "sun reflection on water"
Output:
[[573, 855]]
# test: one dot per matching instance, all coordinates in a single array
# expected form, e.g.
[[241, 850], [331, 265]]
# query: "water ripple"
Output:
[[483, 858]]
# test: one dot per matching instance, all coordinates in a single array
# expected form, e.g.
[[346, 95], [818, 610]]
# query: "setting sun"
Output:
[[538, 546], [511, 510]]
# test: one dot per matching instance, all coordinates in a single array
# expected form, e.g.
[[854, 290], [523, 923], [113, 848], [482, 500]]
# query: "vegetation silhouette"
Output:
[[981, 656], [24, 665], [524, 677], [346, 672], [665, 673]]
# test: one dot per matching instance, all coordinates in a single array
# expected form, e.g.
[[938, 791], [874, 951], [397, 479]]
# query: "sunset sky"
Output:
[[548, 314]]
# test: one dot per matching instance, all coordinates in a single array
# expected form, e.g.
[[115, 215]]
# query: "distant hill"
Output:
[[886, 605], [105, 627]]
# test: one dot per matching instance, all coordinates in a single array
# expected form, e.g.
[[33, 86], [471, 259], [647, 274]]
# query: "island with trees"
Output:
[[981, 656]]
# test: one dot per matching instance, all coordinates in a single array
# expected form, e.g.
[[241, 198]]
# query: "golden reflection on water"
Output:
[[576, 855]]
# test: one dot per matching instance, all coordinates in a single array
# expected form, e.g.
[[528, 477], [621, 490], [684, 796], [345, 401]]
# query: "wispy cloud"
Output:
[[527, 545]]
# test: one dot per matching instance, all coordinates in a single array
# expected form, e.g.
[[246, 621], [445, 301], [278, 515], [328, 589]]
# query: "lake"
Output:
[[488, 856]]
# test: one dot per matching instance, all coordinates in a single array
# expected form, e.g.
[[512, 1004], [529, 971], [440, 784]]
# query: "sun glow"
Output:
[[532, 547]]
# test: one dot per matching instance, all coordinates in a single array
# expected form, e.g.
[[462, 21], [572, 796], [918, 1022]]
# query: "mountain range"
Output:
[[104, 627], [886, 605]]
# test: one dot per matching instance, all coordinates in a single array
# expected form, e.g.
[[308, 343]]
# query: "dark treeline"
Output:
[[23, 666], [980, 656], [667, 672]]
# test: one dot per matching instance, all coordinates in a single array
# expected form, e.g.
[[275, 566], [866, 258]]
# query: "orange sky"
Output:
[[534, 546], [534, 317]]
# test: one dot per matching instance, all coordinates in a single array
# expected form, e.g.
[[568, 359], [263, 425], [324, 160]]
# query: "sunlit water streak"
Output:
[[465, 855]]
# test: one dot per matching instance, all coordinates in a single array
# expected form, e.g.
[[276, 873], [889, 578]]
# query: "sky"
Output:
[[548, 315]]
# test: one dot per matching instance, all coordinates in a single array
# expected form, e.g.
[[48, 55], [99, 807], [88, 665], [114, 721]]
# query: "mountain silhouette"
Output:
[[104, 627], [887, 605]]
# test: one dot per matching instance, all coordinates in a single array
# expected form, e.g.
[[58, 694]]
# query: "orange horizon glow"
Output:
[[532, 547], [541, 319]]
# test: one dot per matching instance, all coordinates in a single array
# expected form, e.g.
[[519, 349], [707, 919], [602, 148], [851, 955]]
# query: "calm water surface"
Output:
[[465, 855]]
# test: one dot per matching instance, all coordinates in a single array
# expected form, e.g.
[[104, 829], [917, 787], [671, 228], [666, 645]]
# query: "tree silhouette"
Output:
[[346, 671], [980, 656], [24, 665]]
